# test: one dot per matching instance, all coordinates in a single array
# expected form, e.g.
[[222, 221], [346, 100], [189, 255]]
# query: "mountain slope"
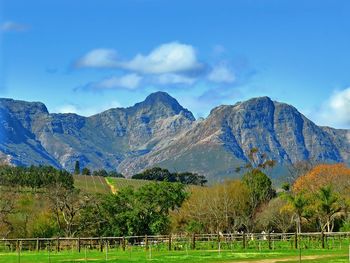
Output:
[[227, 135], [159, 131], [99, 141]]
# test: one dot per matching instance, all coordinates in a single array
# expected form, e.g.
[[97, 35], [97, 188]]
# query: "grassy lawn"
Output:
[[131, 255]]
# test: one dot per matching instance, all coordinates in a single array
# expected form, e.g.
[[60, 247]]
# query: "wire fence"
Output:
[[106, 247]]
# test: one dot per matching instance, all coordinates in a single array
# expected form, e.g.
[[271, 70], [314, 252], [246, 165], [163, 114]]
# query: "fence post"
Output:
[[243, 240], [322, 239], [146, 242], [123, 243], [170, 242], [269, 239], [193, 241], [37, 244], [106, 244], [58, 244], [101, 244], [79, 244], [19, 251], [296, 240]]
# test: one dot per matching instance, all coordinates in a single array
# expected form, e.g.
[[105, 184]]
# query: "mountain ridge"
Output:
[[160, 132]]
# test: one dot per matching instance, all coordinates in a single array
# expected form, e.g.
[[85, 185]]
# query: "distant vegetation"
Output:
[[34, 176], [46, 202], [160, 174]]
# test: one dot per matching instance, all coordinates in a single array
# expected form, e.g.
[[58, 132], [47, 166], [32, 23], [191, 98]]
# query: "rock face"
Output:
[[159, 131]]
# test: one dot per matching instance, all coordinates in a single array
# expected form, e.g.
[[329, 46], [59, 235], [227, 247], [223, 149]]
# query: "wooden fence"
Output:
[[237, 241]]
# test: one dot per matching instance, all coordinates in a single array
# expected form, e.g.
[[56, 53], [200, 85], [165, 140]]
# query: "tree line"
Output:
[[318, 199], [34, 176], [161, 174]]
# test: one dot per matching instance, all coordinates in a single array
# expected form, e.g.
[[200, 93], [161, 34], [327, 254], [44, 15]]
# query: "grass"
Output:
[[130, 255], [98, 184], [120, 183], [91, 184]]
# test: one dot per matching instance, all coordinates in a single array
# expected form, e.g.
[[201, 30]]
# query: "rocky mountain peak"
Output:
[[162, 104], [23, 106], [160, 132]]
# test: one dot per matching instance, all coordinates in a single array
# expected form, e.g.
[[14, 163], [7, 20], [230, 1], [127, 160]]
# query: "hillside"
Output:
[[160, 132]]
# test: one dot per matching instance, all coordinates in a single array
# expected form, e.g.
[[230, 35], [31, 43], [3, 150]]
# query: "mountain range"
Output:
[[160, 132]]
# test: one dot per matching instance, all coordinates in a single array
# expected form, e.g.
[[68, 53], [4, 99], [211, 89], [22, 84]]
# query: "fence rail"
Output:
[[236, 241]]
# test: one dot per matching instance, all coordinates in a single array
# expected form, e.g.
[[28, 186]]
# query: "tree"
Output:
[[299, 204], [298, 169], [101, 172], [160, 174], [215, 209], [276, 215], [256, 161], [77, 168], [336, 175], [7, 208], [66, 205], [260, 190], [86, 171], [142, 211], [328, 207], [115, 174], [328, 185]]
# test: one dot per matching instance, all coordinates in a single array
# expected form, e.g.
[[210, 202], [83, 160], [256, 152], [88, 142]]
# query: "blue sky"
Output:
[[87, 56]]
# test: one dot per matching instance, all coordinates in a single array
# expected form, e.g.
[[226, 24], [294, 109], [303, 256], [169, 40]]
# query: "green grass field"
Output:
[[130, 255], [97, 184], [91, 184], [120, 183]]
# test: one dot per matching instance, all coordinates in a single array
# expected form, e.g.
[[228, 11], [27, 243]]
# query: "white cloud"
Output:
[[86, 111], [99, 58], [167, 58], [169, 78], [336, 110], [129, 81], [221, 74], [8, 26]]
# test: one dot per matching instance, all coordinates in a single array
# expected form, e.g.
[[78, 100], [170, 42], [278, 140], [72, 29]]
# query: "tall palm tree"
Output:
[[329, 206], [299, 204]]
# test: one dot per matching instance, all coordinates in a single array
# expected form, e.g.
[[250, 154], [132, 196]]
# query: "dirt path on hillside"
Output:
[[111, 186], [284, 259]]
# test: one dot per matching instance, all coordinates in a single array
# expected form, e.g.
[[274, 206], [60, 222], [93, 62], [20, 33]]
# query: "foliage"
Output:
[[104, 173], [326, 189], [77, 167], [86, 171], [136, 212], [7, 208], [220, 208], [260, 190], [34, 176], [322, 175], [257, 161], [276, 216], [160, 174]]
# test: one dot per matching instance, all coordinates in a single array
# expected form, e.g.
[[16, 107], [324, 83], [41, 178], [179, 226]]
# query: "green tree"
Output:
[[86, 171], [142, 211], [115, 174], [77, 167], [299, 203], [160, 174], [260, 191], [328, 207]]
